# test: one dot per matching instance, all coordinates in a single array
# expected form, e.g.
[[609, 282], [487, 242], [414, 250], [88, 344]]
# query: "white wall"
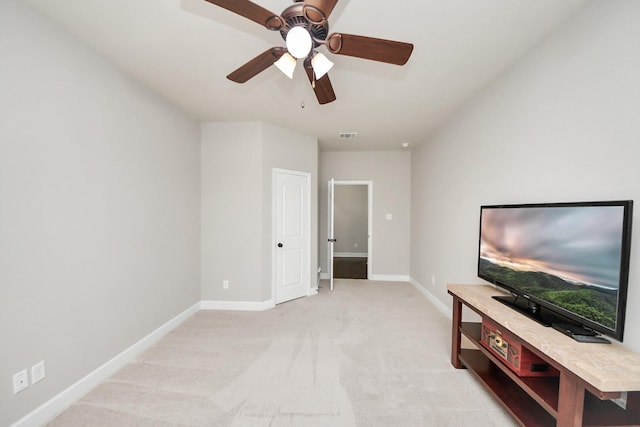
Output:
[[237, 245], [391, 195], [562, 125], [232, 211], [99, 209]]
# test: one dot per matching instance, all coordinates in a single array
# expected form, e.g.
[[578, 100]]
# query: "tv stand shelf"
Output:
[[590, 375]]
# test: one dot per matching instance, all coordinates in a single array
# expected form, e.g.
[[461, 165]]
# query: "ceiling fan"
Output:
[[304, 27]]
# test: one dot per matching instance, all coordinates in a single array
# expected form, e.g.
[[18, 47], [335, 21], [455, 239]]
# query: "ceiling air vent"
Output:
[[347, 135]]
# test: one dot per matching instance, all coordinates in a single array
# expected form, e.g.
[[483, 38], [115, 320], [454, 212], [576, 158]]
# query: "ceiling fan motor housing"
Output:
[[308, 17]]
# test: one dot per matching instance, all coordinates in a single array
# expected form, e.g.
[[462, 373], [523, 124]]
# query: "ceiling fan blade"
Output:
[[251, 11], [322, 87], [389, 51], [257, 65], [324, 6]]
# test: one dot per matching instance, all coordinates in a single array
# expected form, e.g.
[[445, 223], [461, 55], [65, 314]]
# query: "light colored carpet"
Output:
[[369, 354]]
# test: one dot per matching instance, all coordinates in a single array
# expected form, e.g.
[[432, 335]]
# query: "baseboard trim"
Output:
[[432, 298], [237, 305], [59, 403], [389, 278], [378, 277], [350, 254]]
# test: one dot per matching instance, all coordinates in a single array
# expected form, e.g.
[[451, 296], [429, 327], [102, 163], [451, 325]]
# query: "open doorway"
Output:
[[351, 254]]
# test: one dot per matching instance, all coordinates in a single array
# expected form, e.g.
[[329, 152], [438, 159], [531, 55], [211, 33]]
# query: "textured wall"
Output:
[[562, 125]]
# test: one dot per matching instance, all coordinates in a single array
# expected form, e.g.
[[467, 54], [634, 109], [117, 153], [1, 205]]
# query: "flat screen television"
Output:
[[562, 263]]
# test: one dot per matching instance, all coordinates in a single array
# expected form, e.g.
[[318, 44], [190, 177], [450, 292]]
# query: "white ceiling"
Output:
[[183, 49]]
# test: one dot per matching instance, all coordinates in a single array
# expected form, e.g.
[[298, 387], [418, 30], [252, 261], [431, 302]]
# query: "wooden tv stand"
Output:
[[590, 375]]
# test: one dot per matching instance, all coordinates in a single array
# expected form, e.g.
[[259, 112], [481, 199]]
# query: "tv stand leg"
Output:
[[455, 333], [633, 402], [570, 403]]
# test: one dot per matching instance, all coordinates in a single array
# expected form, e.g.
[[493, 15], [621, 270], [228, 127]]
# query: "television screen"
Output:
[[568, 258]]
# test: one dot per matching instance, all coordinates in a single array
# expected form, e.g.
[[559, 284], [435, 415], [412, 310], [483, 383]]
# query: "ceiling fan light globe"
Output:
[[286, 64], [299, 42], [321, 65]]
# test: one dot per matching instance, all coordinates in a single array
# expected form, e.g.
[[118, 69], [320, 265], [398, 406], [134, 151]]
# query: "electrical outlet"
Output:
[[433, 279], [225, 284], [20, 381], [37, 372]]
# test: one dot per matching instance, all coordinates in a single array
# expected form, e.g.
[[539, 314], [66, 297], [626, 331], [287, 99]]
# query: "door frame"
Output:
[[330, 212], [274, 219]]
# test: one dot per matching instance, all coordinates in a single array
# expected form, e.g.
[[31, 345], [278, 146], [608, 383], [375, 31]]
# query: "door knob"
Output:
[[279, 245]]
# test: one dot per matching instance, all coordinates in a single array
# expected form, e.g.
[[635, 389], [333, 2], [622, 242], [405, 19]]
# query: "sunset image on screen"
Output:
[[567, 256], [577, 244]]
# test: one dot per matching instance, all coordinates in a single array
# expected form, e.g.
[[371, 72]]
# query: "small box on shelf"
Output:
[[510, 350]]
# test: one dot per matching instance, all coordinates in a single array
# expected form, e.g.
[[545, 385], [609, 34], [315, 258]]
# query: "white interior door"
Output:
[[292, 234], [331, 238]]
